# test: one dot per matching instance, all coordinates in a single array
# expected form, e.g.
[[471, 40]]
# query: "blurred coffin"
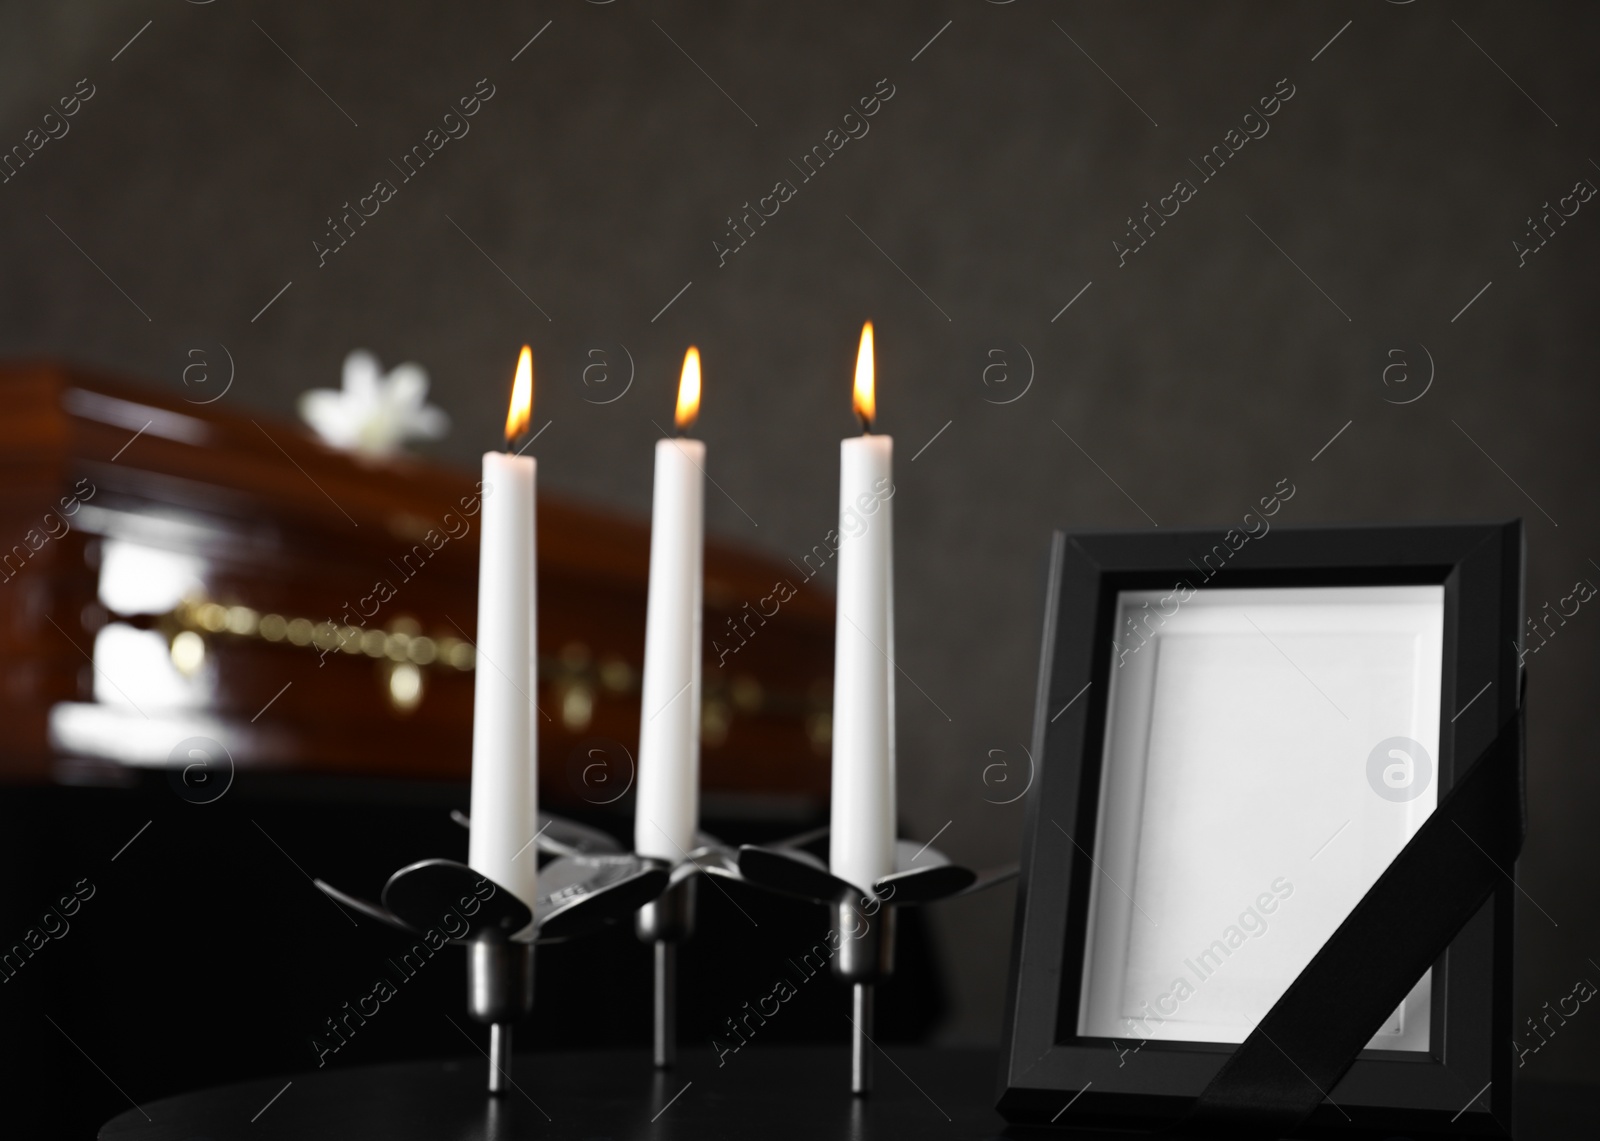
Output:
[[172, 570]]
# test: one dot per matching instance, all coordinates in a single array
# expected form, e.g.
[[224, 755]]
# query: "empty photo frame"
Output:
[[1235, 740], [1230, 801]]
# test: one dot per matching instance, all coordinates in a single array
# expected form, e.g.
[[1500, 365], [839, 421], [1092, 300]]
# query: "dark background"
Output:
[[1176, 389]]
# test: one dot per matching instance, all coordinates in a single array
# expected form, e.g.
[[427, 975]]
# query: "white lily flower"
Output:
[[371, 413]]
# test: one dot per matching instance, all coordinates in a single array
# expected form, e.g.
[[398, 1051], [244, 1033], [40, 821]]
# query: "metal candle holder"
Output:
[[667, 921], [865, 953], [585, 885]]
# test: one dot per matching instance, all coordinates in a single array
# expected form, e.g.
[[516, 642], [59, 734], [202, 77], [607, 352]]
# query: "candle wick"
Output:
[[866, 425]]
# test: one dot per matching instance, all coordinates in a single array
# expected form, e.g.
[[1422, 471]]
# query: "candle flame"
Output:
[[866, 400], [689, 389], [521, 410]]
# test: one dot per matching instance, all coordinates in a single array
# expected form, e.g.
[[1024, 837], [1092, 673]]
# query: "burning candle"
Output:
[[668, 807], [505, 787], [862, 832]]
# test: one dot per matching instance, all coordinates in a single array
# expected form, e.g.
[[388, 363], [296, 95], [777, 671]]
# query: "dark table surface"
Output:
[[773, 1094]]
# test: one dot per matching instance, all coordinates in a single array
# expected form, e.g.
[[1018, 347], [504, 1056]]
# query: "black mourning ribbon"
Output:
[[1281, 1073]]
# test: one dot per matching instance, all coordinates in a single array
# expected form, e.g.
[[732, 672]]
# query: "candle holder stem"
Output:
[[499, 990], [499, 1056], [866, 957], [666, 1005], [861, 1040], [665, 922]]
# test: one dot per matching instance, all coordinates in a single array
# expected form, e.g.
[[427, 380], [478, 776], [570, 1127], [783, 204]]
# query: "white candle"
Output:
[[862, 828], [505, 786], [668, 808]]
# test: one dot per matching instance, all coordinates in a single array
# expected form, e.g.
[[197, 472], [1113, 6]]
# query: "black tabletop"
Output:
[[774, 1094]]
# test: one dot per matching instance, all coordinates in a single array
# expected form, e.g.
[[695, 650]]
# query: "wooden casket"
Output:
[[172, 570]]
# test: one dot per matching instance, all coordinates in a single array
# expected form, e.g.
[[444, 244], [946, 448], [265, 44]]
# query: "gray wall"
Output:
[[992, 186]]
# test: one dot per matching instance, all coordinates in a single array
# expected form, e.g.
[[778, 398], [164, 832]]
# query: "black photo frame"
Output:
[[1050, 1074]]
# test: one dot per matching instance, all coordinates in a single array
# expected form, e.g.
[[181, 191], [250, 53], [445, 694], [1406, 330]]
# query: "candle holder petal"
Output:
[[794, 872], [372, 910], [587, 892], [807, 839], [924, 885], [991, 876], [423, 893], [712, 857]]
